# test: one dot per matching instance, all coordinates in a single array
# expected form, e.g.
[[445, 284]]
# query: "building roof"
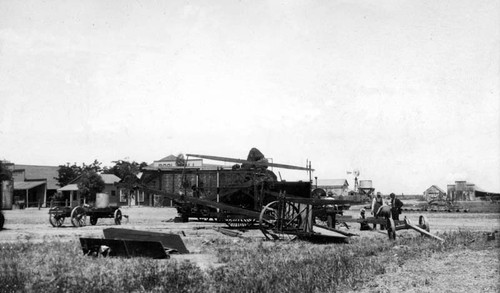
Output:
[[35, 172], [110, 178], [69, 187], [437, 187], [168, 158], [332, 182], [107, 178], [24, 185]]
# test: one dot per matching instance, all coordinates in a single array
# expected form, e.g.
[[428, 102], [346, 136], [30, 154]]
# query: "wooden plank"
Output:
[[424, 232], [170, 241], [316, 227], [328, 232], [267, 164]]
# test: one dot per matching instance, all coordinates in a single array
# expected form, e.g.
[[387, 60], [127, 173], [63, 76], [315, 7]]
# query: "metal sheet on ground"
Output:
[[122, 248], [170, 241]]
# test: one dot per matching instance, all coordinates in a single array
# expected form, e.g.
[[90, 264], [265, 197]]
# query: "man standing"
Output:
[[396, 206], [377, 202]]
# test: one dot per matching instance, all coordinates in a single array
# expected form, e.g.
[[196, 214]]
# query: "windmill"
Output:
[[355, 173]]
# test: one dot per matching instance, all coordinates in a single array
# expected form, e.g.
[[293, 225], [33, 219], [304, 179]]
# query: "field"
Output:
[[35, 257]]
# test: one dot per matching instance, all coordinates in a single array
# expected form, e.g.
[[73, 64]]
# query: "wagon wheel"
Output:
[[118, 217], [93, 220], [78, 217], [270, 220], [424, 223], [56, 220], [240, 222], [391, 229]]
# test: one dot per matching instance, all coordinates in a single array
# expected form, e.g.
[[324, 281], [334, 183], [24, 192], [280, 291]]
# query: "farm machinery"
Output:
[[78, 215], [245, 195], [391, 225]]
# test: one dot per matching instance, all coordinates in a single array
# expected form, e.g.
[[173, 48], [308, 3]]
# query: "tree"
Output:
[[5, 173], [67, 173], [180, 161], [90, 184], [94, 166]]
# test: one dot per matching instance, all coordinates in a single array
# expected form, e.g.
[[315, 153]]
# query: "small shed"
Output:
[[434, 193], [71, 195]]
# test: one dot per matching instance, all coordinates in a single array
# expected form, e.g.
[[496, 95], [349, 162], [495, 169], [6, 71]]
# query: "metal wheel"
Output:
[[424, 223], [282, 221], [56, 220], [93, 220], [78, 217], [391, 229], [118, 217]]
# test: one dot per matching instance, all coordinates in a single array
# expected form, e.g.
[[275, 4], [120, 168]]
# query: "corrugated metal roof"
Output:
[[110, 178], [332, 182], [69, 187], [34, 172], [107, 178], [23, 185]]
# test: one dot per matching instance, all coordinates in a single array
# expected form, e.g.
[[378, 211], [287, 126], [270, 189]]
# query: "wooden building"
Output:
[[434, 193], [461, 191], [71, 196], [34, 185]]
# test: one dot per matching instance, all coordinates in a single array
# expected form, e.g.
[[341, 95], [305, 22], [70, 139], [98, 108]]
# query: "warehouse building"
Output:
[[461, 191]]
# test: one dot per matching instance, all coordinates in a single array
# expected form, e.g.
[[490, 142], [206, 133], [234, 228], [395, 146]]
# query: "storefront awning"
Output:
[[69, 187], [25, 185]]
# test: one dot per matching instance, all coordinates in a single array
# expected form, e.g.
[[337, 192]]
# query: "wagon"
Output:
[[78, 215]]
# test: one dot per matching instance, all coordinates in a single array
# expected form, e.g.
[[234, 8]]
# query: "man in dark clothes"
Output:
[[396, 206], [364, 223], [377, 202]]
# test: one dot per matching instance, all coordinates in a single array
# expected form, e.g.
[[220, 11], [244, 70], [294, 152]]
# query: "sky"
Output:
[[407, 92]]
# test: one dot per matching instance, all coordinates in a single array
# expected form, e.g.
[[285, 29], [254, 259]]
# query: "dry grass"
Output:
[[43, 261], [255, 266]]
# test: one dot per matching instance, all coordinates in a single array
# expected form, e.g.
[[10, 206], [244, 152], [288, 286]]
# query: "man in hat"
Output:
[[377, 203], [396, 206]]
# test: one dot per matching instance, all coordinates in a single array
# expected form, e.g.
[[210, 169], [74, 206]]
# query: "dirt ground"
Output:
[[430, 275], [33, 224]]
